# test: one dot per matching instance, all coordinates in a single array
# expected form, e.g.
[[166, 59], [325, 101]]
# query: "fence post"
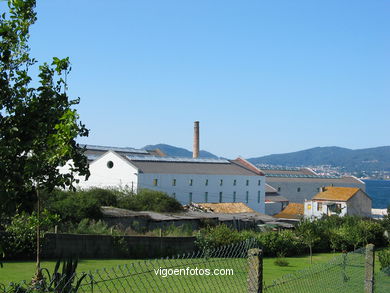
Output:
[[255, 270], [369, 268]]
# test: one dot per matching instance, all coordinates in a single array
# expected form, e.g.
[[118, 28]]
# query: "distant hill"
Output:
[[178, 152], [370, 159]]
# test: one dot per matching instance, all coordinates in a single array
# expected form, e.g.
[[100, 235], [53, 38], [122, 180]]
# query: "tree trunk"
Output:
[[38, 272], [311, 255]]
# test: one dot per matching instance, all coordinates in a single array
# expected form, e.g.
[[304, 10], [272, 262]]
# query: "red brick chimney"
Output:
[[195, 151]]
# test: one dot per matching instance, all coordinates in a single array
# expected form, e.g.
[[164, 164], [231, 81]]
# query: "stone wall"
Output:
[[107, 246]]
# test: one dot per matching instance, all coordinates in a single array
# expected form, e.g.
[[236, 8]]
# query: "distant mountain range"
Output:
[[371, 159], [178, 152]]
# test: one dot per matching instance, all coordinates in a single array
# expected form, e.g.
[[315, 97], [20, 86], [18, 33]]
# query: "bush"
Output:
[[20, 239], [87, 226], [212, 237], [281, 262], [149, 200], [384, 258], [76, 206], [284, 242]]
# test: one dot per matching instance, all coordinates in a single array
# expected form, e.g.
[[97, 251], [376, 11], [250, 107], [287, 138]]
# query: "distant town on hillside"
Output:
[[373, 163]]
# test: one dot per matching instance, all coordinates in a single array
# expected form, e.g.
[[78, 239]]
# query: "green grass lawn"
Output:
[[23, 270]]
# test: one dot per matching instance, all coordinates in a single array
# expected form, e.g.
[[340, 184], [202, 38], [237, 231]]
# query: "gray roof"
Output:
[[191, 166], [270, 189], [287, 171], [276, 198], [319, 179], [115, 149], [112, 212]]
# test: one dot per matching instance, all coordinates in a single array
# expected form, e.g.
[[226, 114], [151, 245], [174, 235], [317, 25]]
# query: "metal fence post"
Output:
[[255, 270], [369, 268]]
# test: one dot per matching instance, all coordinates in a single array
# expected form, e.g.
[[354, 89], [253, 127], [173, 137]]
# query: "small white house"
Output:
[[339, 201], [186, 179]]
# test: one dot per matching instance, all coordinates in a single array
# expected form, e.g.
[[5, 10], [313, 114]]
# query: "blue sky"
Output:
[[262, 77]]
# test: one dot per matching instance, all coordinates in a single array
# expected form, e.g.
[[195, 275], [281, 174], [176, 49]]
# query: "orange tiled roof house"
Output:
[[339, 201]]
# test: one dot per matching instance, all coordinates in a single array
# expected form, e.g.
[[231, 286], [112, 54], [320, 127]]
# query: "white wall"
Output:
[[182, 189], [122, 174], [311, 209], [307, 190]]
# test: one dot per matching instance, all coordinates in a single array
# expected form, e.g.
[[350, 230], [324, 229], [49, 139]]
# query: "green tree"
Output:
[[38, 124], [309, 234]]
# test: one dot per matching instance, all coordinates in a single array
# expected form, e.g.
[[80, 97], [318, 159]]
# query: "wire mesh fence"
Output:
[[235, 268], [382, 281], [223, 269]]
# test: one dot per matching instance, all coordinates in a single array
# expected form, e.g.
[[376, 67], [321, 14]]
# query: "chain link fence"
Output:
[[236, 268], [345, 273], [223, 269]]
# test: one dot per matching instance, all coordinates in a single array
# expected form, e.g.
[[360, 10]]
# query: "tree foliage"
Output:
[[38, 124]]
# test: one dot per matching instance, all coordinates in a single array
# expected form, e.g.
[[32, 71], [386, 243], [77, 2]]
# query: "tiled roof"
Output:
[[336, 193], [227, 207], [248, 165], [292, 211]]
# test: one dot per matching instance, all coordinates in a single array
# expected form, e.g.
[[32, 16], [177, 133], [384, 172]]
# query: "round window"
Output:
[[110, 164]]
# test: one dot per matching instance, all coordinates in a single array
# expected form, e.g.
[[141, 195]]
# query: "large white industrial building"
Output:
[[186, 179]]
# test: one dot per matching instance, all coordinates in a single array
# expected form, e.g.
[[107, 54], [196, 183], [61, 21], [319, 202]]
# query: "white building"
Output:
[[299, 184], [339, 201], [186, 179]]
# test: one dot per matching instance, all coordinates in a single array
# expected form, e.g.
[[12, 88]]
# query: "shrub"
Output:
[[384, 258], [75, 206], [87, 226], [20, 238], [212, 237], [284, 242], [281, 262], [149, 200]]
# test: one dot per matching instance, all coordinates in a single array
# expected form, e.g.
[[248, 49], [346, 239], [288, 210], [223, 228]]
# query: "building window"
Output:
[[247, 197], [221, 182], [234, 196], [190, 197], [206, 182], [319, 206], [174, 195], [234, 182], [279, 189], [191, 182], [298, 189], [247, 182], [259, 182], [110, 164], [206, 196], [220, 196], [173, 182], [258, 196], [155, 182]]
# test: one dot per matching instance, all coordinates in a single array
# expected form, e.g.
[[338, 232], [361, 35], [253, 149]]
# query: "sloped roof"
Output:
[[287, 171], [175, 165], [275, 198], [248, 165], [292, 211], [270, 189], [336, 193], [320, 179], [227, 207]]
